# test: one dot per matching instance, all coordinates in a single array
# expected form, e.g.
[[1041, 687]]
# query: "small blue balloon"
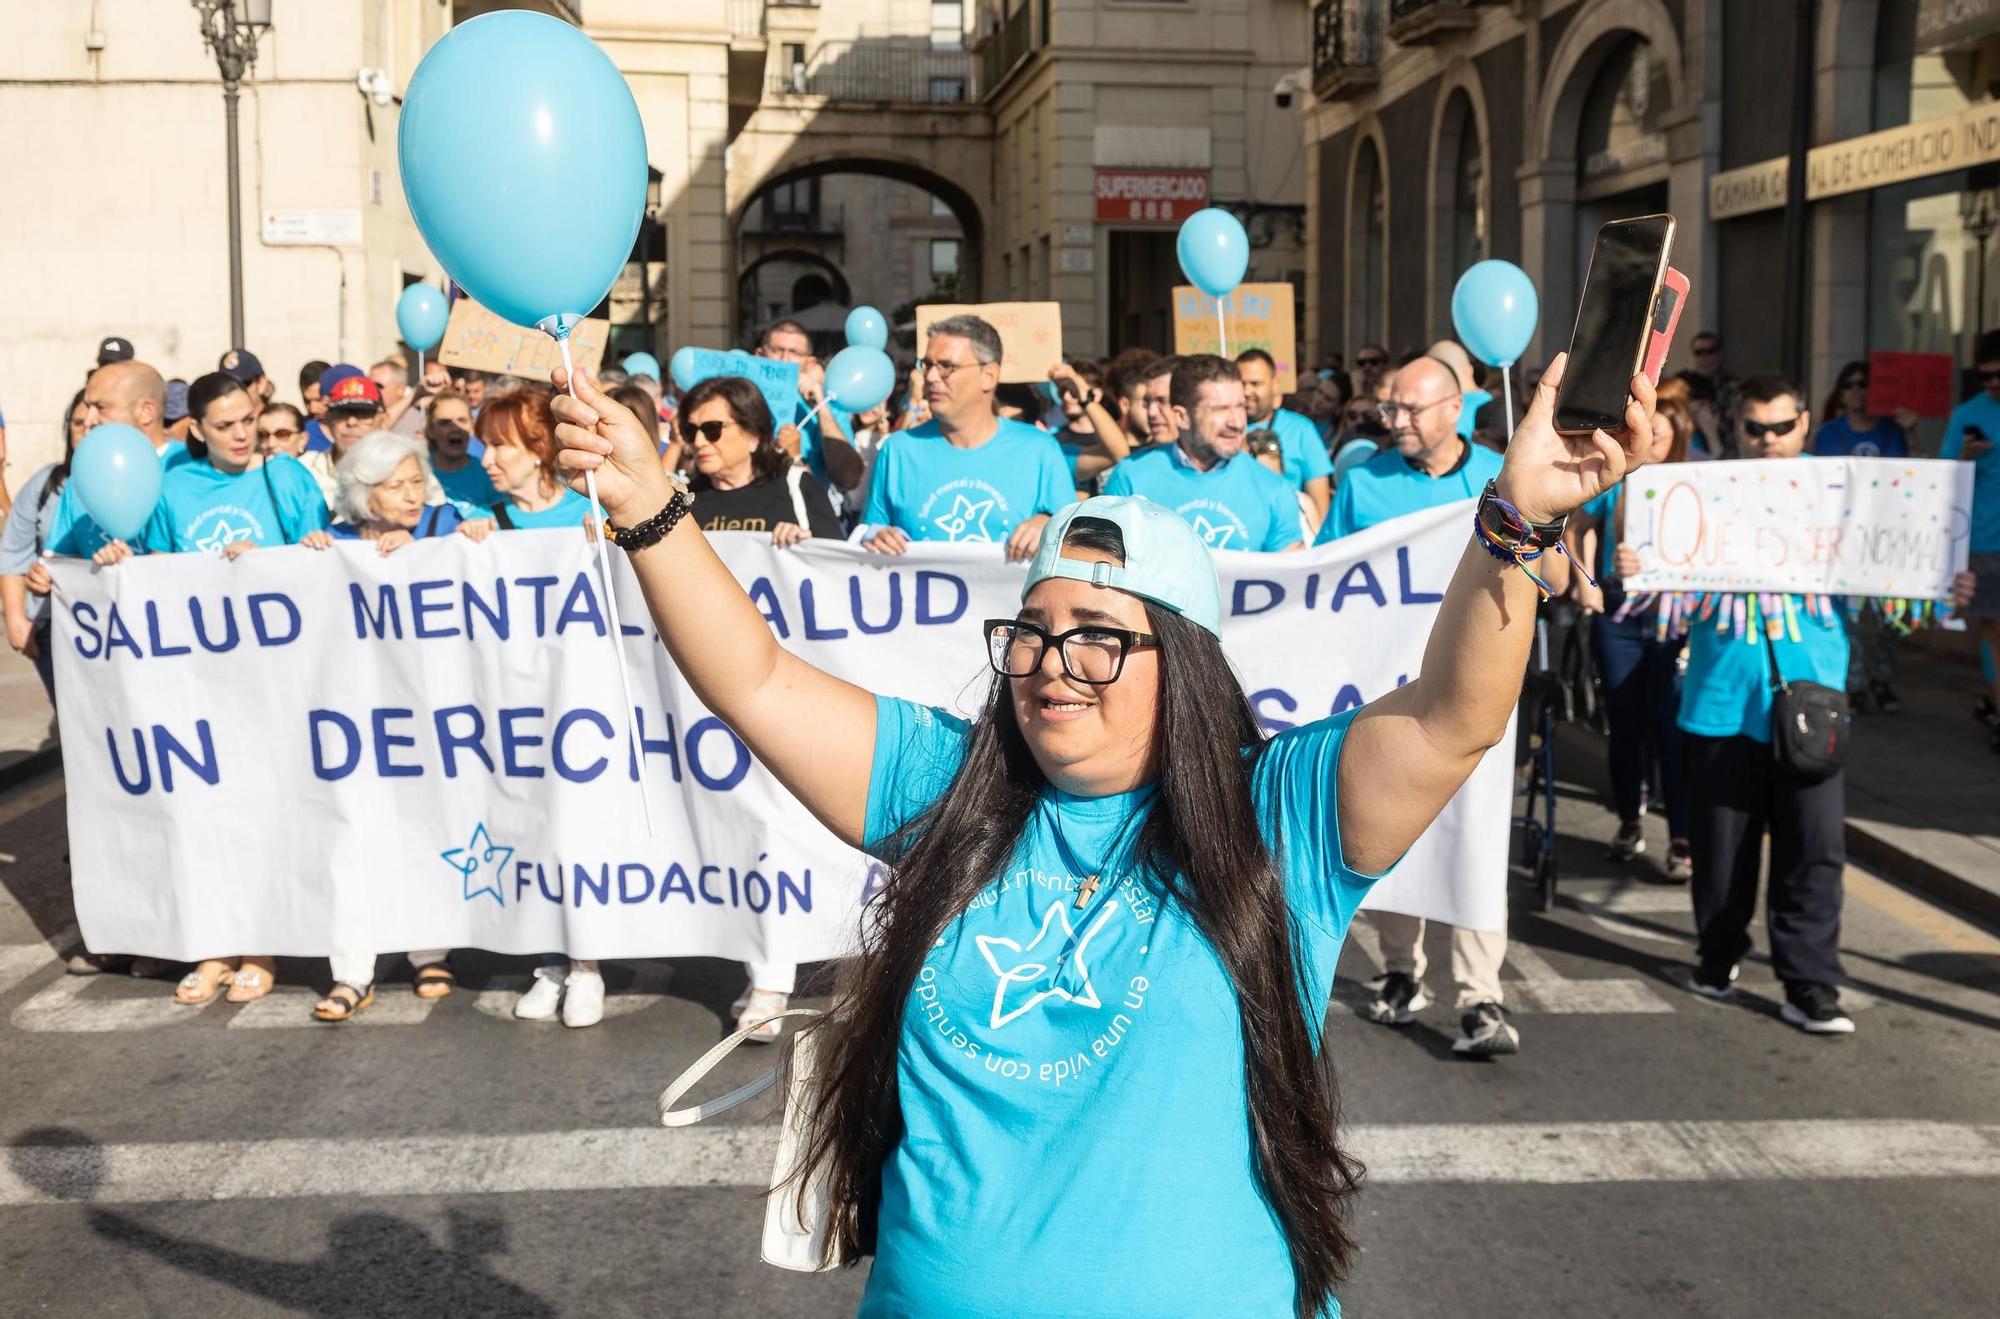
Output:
[[1494, 309], [867, 329], [524, 163], [1214, 251], [421, 315], [682, 364], [117, 477], [641, 364], [858, 378]]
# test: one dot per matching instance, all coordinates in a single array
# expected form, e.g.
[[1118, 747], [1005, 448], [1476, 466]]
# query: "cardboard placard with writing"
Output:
[[475, 339], [1255, 315], [1921, 382], [1030, 334]]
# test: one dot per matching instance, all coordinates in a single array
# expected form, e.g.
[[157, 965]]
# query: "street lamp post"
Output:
[[1979, 208], [231, 28]]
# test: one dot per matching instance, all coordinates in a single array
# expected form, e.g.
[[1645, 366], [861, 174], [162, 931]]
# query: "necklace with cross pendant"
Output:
[[1086, 892]]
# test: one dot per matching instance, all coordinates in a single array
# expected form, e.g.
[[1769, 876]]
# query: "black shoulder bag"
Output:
[[1810, 724]]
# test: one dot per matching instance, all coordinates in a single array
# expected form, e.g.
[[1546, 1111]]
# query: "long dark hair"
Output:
[[204, 391], [1202, 843], [768, 459], [61, 473]]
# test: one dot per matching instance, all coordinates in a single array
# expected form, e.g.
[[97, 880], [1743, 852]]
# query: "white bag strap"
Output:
[[796, 479], [702, 1066]]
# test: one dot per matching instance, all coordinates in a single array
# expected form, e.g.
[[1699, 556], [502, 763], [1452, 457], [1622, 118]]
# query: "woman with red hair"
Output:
[[518, 431]]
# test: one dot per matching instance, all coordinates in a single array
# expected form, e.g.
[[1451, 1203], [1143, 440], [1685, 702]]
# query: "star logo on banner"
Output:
[[224, 534], [1215, 535], [967, 519], [1006, 956], [482, 859]]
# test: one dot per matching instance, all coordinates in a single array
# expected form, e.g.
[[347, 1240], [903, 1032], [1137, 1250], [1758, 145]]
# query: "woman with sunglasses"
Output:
[[281, 429], [1849, 431], [743, 478], [1076, 1068]]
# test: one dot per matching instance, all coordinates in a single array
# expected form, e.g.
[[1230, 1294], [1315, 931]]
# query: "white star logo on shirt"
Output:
[[1214, 535], [1023, 973], [967, 519], [224, 534]]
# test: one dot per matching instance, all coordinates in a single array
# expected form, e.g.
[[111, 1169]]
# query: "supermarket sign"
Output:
[[1150, 196]]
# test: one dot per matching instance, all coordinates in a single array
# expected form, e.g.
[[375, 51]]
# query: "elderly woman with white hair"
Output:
[[379, 497]]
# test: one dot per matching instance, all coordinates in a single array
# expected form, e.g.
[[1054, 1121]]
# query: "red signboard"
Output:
[[1150, 196], [1921, 382]]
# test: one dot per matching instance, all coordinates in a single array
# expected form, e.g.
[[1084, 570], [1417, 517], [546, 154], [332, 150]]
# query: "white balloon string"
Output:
[[1221, 331], [1507, 393], [611, 609]]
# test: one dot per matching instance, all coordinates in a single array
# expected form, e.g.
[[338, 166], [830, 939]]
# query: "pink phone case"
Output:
[[1666, 318]]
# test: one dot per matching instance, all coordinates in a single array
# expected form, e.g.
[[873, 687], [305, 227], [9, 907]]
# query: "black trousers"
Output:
[[1739, 793]]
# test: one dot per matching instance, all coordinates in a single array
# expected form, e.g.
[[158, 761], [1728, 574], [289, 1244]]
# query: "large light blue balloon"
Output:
[[1494, 309], [867, 329], [858, 378], [1214, 251], [686, 371], [421, 315], [524, 164], [117, 477], [641, 364]]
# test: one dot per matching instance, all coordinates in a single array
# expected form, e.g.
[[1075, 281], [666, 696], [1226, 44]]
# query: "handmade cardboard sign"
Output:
[[1030, 334], [478, 340], [1921, 382], [1254, 316]]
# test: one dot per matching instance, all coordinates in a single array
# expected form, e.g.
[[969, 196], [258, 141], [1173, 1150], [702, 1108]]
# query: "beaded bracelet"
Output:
[[1503, 532], [653, 529]]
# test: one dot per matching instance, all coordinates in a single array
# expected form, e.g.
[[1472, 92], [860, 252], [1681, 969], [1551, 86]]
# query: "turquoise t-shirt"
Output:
[[202, 509], [569, 511], [1236, 505], [1468, 411], [469, 485], [1386, 486], [932, 490], [1299, 447], [1727, 689], [1982, 411], [1076, 1135], [71, 531], [1605, 509]]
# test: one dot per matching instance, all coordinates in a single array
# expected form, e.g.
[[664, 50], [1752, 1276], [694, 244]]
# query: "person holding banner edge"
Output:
[[1068, 777]]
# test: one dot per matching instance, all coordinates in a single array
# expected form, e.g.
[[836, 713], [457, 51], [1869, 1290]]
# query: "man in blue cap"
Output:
[[242, 365]]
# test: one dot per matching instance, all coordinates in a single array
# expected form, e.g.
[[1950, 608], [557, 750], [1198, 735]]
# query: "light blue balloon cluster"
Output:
[[641, 364], [866, 328], [861, 376], [421, 315], [1494, 309], [117, 477], [1214, 251], [524, 163]]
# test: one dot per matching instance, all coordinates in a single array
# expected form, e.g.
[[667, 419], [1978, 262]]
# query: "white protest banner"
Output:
[[302, 752], [1891, 527]]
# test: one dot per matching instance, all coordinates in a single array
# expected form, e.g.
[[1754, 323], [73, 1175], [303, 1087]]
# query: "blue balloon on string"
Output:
[[1214, 251], [858, 378], [641, 364], [117, 477], [421, 315], [1494, 309], [685, 369], [867, 329], [524, 163]]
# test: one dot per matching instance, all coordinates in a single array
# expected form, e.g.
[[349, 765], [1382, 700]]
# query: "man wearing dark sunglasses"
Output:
[[1969, 437]]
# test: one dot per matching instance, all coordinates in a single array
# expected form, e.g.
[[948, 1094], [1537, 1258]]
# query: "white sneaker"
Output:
[[759, 1007], [583, 999], [539, 1003]]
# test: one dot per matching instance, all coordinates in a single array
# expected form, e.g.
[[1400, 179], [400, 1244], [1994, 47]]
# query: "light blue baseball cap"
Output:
[[1165, 561]]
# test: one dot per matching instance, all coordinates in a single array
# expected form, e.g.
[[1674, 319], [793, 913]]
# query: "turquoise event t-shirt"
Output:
[[1387, 486], [1299, 447], [1076, 1133], [468, 485], [1982, 411], [71, 530], [202, 509], [1726, 691], [932, 490], [569, 511], [1235, 505]]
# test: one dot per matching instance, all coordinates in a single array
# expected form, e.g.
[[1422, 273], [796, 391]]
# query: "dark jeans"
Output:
[[1642, 698], [1740, 792]]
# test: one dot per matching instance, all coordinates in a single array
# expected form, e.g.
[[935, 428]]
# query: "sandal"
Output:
[[435, 980], [256, 979], [343, 1002], [202, 984]]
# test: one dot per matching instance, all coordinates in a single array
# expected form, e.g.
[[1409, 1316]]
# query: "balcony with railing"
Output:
[[877, 71], [1421, 22], [1347, 47], [1006, 46]]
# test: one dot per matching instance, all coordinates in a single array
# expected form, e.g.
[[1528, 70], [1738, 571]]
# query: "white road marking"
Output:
[[32, 799], [1548, 1154], [394, 1005], [19, 961], [648, 979], [68, 1005], [1543, 989]]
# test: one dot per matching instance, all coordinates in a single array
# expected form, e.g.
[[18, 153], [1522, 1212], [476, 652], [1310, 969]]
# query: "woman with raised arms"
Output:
[[1076, 1070]]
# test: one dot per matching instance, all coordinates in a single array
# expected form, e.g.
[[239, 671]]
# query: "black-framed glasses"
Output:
[[1855, 382], [1757, 430], [945, 370], [1093, 654], [708, 430]]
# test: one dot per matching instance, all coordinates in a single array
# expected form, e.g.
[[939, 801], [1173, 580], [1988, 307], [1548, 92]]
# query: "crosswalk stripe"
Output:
[[1548, 1154], [1545, 989], [31, 800], [284, 1007], [19, 961]]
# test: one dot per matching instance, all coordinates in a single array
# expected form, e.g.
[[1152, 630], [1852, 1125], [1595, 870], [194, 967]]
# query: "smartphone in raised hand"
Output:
[[1614, 323]]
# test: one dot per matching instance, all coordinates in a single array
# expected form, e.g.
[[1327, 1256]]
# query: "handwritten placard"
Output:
[[1891, 527], [1921, 382], [1030, 334], [478, 340], [778, 381], [1256, 316]]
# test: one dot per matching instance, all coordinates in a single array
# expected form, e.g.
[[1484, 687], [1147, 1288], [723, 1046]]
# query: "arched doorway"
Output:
[[1367, 247], [1621, 148], [1459, 234]]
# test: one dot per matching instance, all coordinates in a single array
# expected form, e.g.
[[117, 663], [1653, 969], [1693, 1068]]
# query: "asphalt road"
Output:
[[1646, 1154]]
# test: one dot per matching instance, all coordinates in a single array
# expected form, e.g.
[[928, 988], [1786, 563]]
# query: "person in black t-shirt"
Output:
[[744, 480]]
